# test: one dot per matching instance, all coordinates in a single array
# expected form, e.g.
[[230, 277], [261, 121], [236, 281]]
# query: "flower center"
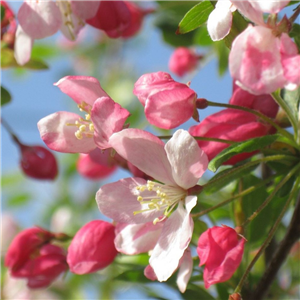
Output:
[[85, 126], [161, 197]]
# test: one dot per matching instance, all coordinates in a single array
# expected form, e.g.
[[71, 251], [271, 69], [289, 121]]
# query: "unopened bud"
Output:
[[38, 162]]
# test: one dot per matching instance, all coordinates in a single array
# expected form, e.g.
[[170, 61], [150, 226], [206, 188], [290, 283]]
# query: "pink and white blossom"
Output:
[[69, 132], [178, 165], [167, 103]]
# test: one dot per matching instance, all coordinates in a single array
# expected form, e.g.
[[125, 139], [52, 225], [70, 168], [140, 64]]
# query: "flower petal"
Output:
[[137, 238], [118, 201], [188, 161], [185, 270], [174, 239], [145, 151], [23, 46], [60, 137], [85, 9], [39, 19], [81, 88], [108, 117]]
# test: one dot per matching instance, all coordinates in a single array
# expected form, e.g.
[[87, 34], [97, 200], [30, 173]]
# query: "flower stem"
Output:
[[10, 131], [260, 115], [294, 16], [270, 197], [243, 193], [270, 235]]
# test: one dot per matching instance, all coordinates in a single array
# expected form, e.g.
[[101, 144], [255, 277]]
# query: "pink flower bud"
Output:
[[167, 103], [220, 249], [40, 270], [38, 162], [113, 17], [24, 245], [228, 124], [92, 248], [183, 60], [90, 169]]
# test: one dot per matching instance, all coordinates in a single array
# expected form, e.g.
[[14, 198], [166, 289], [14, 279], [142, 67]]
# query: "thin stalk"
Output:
[[269, 237], [245, 166], [166, 137], [276, 96], [10, 131], [295, 15], [242, 194], [270, 197], [258, 114]]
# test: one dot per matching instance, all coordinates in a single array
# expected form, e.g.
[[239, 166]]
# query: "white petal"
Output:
[[23, 46], [185, 270]]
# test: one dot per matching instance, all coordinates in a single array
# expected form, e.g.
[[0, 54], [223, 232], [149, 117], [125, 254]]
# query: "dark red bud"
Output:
[[201, 103], [38, 162], [235, 296]]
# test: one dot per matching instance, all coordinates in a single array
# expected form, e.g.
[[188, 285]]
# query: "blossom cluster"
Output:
[[151, 210]]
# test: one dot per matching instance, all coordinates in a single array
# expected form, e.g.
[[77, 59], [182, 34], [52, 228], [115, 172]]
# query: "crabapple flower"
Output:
[[167, 103], [69, 132], [38, 162], [177, 166], [183, 60], [228, 124], [220, 20], [113, 17], [8, 25], [220, 249], [92, 248], [185, 270], [261, 62]]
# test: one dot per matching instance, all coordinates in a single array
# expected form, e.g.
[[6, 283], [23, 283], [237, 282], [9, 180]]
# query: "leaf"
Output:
[[18, 200], [36, 64], [227, 176], [222, 53], [241, 147], [292, 99], [202, 37], [5, 96], [195, 17], [2, 12], [197, 293]]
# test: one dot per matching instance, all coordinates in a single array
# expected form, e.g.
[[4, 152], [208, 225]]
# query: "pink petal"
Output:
[[108, 117], [185, 270], [60, 137], [145, 151], [39, 19], [255, 61], [81, 88], [118, 201], [170, 108], [188, 161], [219, 21], [137, 238], [174, 239], [272, 7], [23, 46], [85, 9]]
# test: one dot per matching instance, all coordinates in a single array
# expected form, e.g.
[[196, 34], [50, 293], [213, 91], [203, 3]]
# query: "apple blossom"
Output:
[[69, 132], [8, 25], [183, 60], [167, 103], [178, 165], [220, 249], [228, 124], [92, 247]]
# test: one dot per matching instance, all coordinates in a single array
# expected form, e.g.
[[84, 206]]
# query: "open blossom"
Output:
[[92, 248], [220, 249], [69, 132], [167, 103], [178, 165], [183, 60], [39, 19]]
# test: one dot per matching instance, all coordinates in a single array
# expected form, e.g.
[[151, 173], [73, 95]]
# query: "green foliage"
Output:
[[295, 33], [222, 54], [5, 96], [241, 147], [2, 11], [195, 17]]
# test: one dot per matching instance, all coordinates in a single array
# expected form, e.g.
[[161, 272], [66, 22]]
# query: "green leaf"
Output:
[[241, 147], [292, 99], [19, 200], [222, 53], [202, 37], [5, 96], [2, 12], [197, 293], [36, 64], [225, 177], [195, 17]]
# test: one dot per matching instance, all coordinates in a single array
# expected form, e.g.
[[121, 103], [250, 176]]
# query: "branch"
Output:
[[292, 235]]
